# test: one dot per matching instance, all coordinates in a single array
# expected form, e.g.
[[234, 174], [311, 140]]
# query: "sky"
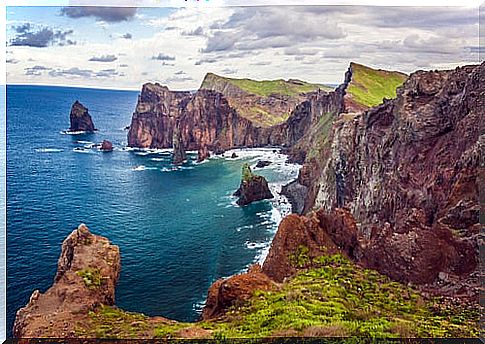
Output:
[[123, 48]]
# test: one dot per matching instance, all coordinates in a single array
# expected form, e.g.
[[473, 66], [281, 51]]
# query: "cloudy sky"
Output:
[[126, 47]]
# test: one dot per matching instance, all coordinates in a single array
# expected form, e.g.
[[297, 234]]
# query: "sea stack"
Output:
[[80, 118], [253, 188], [179, 155]]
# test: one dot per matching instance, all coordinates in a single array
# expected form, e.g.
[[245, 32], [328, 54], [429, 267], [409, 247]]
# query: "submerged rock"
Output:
[[106, 146], [80, 119], [253, 188], [87, 272], [263, 163]]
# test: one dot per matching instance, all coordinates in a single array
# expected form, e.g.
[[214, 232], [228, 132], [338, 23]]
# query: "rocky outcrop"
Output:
[[208, 121], [407, 172], [155, 115], [234, 291], [202, 153], [87, 272], [297, 241], [179, 155], [106, 146], [252, 188], [80, 119], [263, 163]]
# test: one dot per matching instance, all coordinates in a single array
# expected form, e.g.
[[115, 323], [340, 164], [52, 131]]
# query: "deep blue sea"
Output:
[[178, 229]]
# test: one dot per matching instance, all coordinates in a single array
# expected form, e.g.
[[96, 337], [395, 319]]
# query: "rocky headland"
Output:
[[386, 242], [80, 118]]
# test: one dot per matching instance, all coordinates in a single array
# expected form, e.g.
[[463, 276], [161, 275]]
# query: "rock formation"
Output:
[[87, 273], [179, 155], [80, 118], [207, 120], [106, 146], [202, 153], [263, 163], [407, 172], [253, 188], [234, 291]]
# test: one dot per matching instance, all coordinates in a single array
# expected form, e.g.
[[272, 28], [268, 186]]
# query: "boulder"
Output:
[[234, 291], [263, 163], [106, 146]]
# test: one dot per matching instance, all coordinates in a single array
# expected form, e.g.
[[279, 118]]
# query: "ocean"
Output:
[[178, 228]]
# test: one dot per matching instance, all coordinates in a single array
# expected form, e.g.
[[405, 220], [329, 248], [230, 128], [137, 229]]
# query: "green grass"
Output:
[[265, 88], [112, 322], [369, 86], [247, 174], [337, 298], [332, 297], [92, 278]]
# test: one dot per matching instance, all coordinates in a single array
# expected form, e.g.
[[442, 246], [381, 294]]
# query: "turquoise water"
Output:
[[178, 229]]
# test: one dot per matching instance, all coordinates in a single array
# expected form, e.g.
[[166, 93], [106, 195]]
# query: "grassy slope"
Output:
[[332, 298], [265, 88], [260, 114], [369, 86]]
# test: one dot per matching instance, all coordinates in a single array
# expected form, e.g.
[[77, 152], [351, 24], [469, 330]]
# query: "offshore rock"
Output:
[[263, 163], [87, 272], [106, 146], [252, 188], [80, 119], [179, 155]]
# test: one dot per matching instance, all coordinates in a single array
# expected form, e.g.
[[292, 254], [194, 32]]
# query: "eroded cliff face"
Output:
[[155, 115], [87, 272], [208, 122], [407, 172]]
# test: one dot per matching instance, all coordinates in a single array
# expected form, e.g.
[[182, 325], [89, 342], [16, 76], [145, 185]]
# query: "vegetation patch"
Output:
[[338, 298], [265, 88], [370, 86], [112, 322], [247, 174], [92, 277]]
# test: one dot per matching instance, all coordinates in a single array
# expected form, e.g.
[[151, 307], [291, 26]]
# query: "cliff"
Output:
[[324, 295], [265, 103], [80, 119], [87, 272], [214, 118], [407, 172]]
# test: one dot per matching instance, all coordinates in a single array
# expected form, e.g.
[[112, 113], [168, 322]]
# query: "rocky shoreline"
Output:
[[392, 188]]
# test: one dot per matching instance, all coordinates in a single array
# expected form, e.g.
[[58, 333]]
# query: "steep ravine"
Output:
[[392, 188]]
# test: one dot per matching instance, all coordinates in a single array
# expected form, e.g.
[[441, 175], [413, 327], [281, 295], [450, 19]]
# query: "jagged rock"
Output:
[[234, 291], [87, 272], [80, 118], [296, 195], [263, 163], [203, 153], [252, 188], [407, 171], [179, 155], [106, 146], [296, 233], [233, 156]]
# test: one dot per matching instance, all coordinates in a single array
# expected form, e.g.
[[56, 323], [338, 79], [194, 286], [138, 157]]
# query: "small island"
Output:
[[253, 187], [80, 118]]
